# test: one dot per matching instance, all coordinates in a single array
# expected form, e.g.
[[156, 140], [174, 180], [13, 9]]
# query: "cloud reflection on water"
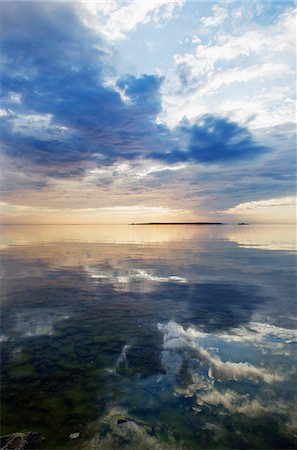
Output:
[[178, 338], [198, 371], [226, 344]]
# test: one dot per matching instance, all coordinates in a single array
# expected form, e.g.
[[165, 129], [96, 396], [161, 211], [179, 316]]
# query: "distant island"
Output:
[[179, 223]]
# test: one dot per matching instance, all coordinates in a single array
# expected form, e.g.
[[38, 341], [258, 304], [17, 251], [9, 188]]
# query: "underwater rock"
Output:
[[118, 430], [74, 435], [20, 441], [122, 421]]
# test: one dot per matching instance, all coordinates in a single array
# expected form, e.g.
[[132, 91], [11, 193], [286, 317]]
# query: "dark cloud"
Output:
[[144, 92], [213, 140], [57, 67], [217, 139]]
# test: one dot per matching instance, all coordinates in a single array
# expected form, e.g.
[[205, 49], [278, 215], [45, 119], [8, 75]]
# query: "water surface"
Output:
[[186, 334]]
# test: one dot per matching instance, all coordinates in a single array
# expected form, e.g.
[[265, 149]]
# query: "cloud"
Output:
[[61, 116], [131, 172], [67, 114], [142, 91], [219, 16], [262, 205], [114, 20], [7, 207], [239, 75], [158, 169], [274, 107], [218, 139], [130, 209], [277, 38], [68, 117], [213, 140], [246, 55]]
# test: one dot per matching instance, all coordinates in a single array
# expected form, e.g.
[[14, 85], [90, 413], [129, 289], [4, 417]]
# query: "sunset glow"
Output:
[[119, 112]]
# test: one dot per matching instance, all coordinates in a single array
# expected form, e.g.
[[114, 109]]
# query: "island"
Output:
[[178, 223]]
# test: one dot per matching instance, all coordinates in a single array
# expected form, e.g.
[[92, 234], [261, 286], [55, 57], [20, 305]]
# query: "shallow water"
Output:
[[190, 331]]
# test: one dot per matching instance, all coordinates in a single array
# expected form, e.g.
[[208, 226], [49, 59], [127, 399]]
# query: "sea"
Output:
[[149, 336]]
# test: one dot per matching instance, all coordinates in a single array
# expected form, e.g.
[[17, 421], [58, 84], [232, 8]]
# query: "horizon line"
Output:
[[146, 223]]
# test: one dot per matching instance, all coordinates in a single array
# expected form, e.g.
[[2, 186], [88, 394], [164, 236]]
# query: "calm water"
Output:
[[150, 337]]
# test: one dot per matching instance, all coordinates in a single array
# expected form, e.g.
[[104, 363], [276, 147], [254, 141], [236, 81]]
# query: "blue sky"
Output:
[[125, 111]]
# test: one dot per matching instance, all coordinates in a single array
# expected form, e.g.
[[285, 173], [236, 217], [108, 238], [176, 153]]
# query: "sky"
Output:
[[119, 112]]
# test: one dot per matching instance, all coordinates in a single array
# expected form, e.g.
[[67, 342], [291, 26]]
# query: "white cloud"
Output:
[[123, 171], [274, 210], [15, 98], [7, 207], [156, 169], [35, 124], [111, 83], [4, 112], [114, 20], [260, 204], [239, 75], [117, 209], [272, 107], [36, 121], [253, 58], [141, 209], [275, 39], [219, 16]]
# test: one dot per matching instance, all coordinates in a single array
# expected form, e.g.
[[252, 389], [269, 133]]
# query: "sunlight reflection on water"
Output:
[[273, 237]]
